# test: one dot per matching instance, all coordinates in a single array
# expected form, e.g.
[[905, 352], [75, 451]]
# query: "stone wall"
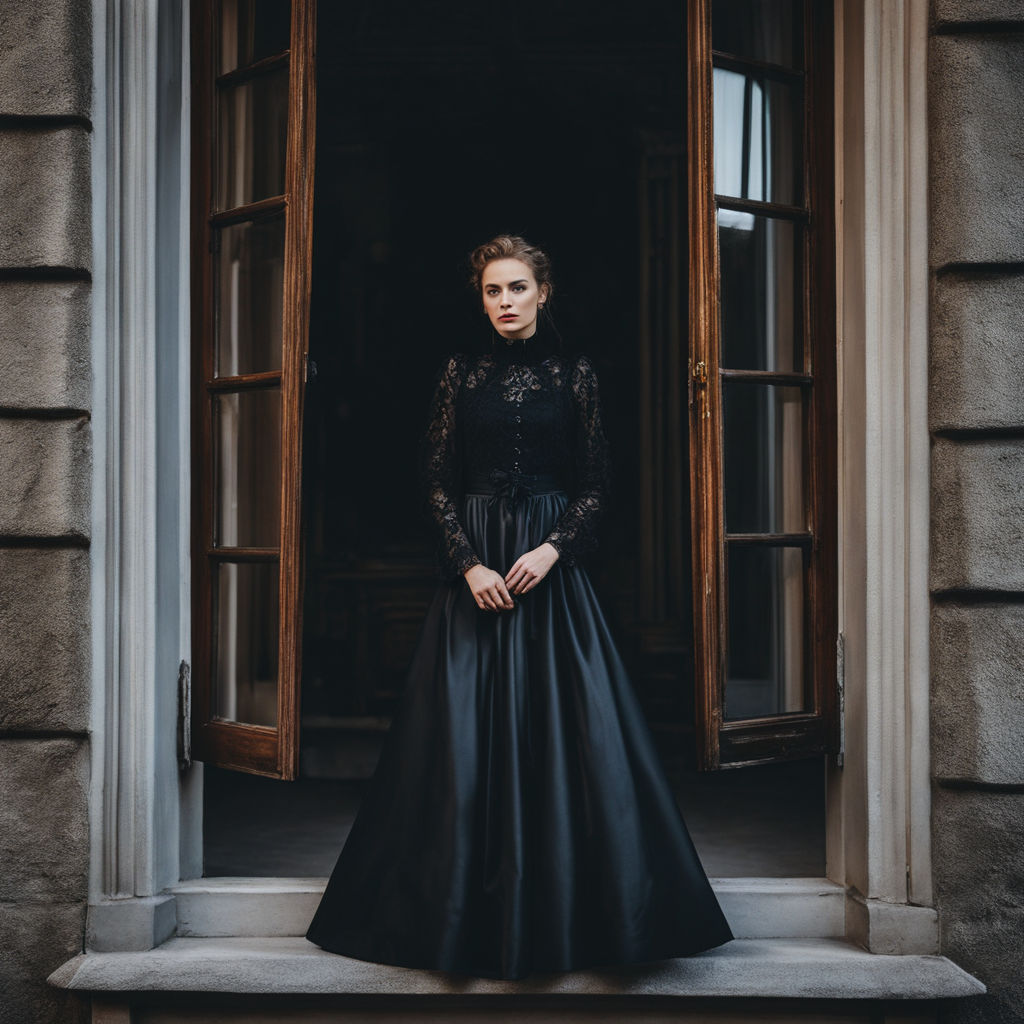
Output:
[[976, 414], [45, 466]]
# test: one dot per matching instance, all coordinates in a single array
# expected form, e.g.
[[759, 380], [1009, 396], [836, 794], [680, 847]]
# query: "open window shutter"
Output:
[[252, 182], [762, 379]]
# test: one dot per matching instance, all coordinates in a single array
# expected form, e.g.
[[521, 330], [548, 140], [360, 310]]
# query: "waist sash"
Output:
[[512, 485]]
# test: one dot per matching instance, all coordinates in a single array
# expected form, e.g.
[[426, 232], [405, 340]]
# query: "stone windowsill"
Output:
[[744, 968]]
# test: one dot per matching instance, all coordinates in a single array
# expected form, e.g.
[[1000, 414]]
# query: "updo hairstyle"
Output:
[[514, 247]]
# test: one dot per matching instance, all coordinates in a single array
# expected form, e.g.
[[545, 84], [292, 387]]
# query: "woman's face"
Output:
[[511, 296]]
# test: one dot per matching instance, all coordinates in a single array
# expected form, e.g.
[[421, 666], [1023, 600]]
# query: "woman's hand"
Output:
[[530, 568], [488, 587]]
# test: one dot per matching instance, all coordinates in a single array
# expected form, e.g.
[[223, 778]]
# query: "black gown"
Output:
[[518, 819]]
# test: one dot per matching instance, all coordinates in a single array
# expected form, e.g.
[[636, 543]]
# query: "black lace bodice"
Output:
[[521, 408]]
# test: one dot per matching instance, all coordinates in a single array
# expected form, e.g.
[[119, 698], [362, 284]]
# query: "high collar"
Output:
[[529, 351]]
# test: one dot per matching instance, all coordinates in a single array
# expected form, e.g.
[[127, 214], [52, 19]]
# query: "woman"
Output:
[[519, 819]]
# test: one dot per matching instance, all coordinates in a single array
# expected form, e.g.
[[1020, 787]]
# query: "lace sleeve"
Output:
[[439, 473], [576, 532]]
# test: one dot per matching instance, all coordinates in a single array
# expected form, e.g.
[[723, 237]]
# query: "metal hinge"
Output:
[[184, 716], [841, 696]]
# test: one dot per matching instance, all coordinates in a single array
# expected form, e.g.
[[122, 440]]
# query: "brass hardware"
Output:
[[700, 372]]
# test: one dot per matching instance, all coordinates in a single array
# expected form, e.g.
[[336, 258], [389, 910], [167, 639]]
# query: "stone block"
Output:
[[45, 198], [949, 13], [976, 161], [36, 939], [46, 467], [45, 623], [977, 692], [44, 820], [979, 892], [976, 356], [45, 345], [977, 522], [46, 58]]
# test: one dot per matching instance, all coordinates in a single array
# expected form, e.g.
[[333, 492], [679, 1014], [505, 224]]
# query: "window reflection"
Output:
[[764, 458], [252, 30], [247, 464], [757, 140], [252, 131], [765, 665], [250, 296], [759, 274], [246, 609], [766, 30]]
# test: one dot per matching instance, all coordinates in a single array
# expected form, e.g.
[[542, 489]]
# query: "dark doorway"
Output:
[[439, 126], [432, 138]]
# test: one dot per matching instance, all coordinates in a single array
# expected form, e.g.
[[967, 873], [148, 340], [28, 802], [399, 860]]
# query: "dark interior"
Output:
[[438, 127]]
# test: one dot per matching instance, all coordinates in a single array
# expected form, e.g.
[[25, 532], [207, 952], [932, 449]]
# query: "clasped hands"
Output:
[[493, 591]]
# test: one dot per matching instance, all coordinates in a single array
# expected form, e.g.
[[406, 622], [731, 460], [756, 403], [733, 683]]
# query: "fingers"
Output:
[[504, 594], [494, 596], [494, 599], [497, 594], [515, 578]]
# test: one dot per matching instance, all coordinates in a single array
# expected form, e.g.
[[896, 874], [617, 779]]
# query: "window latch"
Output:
[[699, 377]]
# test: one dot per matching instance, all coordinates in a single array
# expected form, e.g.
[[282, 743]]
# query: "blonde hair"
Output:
[[503, 247]]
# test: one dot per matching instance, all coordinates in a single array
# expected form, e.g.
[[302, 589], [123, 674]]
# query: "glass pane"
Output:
[[247, 467], [252, 134], [245, 638], [761, 292], [764, 458], [249, 296], [765, 658], [768, 30], [252, 30], [758, 140]]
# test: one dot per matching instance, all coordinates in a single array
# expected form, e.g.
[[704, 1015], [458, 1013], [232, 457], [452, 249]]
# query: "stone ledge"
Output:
[[743, 968]]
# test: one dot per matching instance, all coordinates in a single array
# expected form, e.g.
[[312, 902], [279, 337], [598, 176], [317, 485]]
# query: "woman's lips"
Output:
[[509, 316]]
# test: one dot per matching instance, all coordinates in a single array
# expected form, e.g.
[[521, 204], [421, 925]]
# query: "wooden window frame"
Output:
[[722, 743], [263, 750]]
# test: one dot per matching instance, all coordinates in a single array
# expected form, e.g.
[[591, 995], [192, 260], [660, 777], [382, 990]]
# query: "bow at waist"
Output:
[[511, 485]]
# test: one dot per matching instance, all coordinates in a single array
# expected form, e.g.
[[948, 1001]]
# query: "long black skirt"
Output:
[[518, 819]]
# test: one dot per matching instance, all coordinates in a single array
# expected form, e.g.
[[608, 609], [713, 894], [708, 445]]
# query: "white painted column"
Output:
[[880, 845], [137, 633]]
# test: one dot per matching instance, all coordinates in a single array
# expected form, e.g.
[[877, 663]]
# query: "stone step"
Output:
[[818, 969], [756, 908]]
